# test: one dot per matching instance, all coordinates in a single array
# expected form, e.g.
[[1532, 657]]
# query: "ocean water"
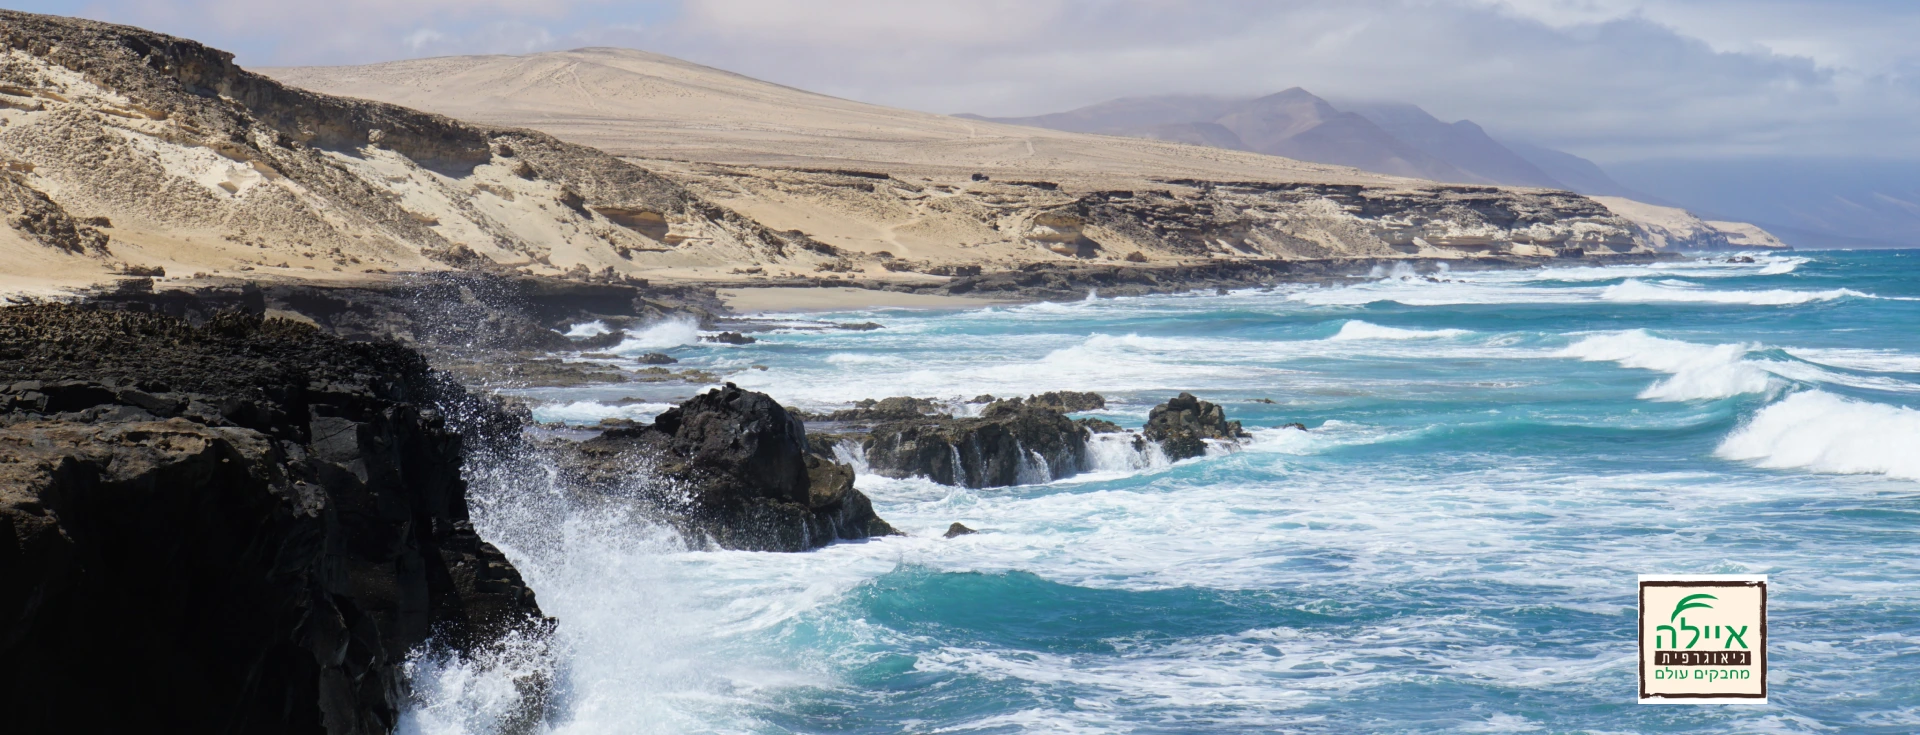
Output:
[[1452, 547]]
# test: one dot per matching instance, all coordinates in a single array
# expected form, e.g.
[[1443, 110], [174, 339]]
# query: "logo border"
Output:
[[1699, 580]]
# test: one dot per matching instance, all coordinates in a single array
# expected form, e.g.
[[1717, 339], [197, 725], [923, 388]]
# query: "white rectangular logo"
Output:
[[1703, 639]]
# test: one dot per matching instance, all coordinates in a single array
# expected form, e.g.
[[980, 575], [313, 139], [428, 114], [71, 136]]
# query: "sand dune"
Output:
[[647, 106]]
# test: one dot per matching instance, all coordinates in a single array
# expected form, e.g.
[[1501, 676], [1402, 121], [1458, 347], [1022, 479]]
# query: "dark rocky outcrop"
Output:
[[897, 408], [731, 466], [1068, 401], [244, 526], [730, 338], [1012, 442], [957, 529], [1182, 425]]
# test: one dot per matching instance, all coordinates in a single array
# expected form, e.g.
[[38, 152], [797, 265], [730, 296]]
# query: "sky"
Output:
[[1613, 80]]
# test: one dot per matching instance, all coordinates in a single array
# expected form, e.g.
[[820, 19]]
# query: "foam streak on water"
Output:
[[1451, 547]]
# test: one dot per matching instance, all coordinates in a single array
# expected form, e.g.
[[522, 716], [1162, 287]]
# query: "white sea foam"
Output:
[[1698, 371], [1355, 329], [593, 328], [1639, 292], [660, 335], [1819, 431], [1778, 266]]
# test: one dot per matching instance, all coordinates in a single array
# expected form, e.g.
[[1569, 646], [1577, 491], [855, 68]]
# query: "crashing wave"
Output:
[[1822, 432]]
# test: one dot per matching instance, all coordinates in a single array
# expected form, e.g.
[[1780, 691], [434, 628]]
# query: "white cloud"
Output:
[[1614, 79]]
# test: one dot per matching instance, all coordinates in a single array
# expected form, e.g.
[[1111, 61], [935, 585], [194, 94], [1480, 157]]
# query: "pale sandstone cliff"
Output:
[[127, 151], [1676, 229]]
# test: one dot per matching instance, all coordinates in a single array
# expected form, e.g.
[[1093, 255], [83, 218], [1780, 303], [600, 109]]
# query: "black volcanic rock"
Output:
[[730, 338], [732, 466], [239, 527], [1068, 401], [1012, 442], [1181, 425]]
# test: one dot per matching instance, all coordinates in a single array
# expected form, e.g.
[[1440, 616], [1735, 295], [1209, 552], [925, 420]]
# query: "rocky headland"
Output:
[[244, 526]]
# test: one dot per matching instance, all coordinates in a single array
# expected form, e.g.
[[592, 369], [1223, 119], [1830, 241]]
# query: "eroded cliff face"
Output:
[[879, 222], [241, 527], [188, 162]]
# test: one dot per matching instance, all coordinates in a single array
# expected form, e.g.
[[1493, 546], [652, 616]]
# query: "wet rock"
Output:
[[957, 530], [861, 327], [731, 466], [601, 341], [657, 358], [240, 527], [1012, 442], [888, 409], [1182, 425], [1068, 401], [730, 338]]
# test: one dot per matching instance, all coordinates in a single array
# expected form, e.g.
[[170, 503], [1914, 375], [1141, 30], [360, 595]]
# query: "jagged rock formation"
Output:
[[240, 527], [1011, 442], [1182, 426], [191, 163], [730, 466], [1069, 401]]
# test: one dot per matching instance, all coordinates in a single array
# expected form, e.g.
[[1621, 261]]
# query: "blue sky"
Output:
[[1615, 80]]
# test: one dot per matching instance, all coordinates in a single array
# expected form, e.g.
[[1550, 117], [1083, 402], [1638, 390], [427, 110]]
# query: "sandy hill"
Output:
[[647, 106], [126, 151], [896, 190]]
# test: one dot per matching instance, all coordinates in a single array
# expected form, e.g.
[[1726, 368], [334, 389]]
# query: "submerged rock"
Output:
[[1182, 425], [731, 338], [957, 529], [241, 527], [732, 466], [657, 358]]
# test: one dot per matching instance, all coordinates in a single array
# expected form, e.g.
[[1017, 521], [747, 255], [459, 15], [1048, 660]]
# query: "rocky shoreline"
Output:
[[242, 526], [277, 474]]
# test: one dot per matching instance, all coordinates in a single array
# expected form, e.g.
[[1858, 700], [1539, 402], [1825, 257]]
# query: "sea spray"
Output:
[[672, 332]]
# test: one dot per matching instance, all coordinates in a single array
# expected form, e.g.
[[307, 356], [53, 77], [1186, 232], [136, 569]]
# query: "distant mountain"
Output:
[[1578, 174], [1293, 124], [1296, 124], [1127, 115], [1463, 144]]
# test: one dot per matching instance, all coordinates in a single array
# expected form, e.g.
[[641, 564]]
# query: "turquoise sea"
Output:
[[1492, 457]]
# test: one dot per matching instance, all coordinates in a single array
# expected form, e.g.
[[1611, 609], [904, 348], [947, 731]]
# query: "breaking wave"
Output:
[[1697, 371], [660, 335], [1355, 329], [1823, 432], [1634, 291]]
